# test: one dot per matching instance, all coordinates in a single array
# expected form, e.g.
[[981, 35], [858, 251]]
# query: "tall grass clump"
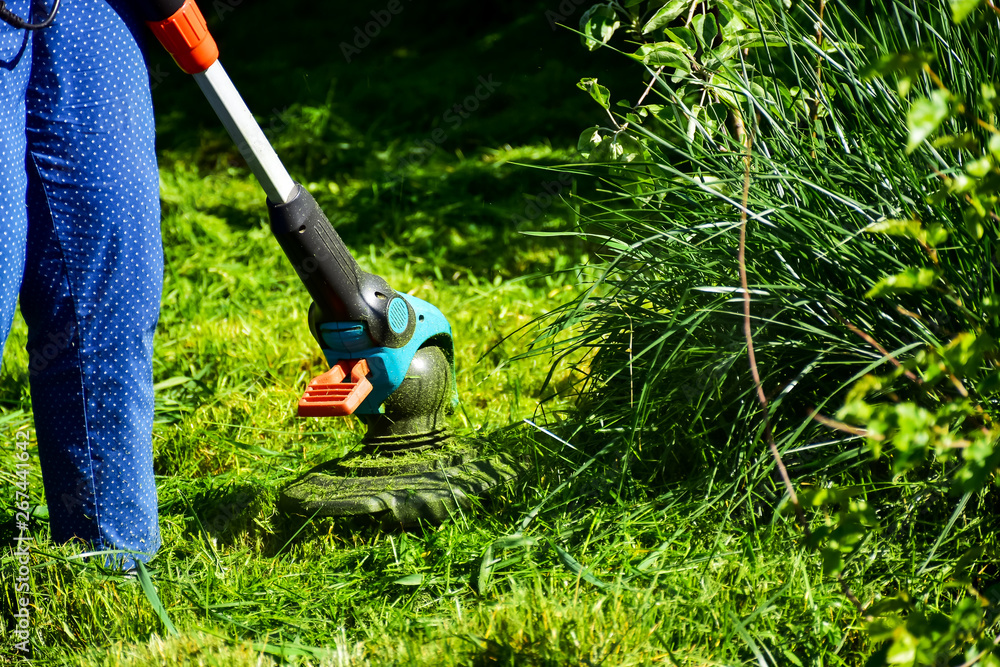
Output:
[[768, 114], [794, 299]]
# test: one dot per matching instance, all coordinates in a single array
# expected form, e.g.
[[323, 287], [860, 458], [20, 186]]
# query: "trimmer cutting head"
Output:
[[410, 468]]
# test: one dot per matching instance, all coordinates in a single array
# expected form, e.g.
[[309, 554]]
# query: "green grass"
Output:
[[574, 565]]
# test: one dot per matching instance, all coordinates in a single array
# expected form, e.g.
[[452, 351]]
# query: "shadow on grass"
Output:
[[406, 135]]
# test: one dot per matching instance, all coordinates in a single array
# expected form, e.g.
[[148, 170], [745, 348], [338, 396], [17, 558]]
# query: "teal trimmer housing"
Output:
[[357, 316], [387, 366]]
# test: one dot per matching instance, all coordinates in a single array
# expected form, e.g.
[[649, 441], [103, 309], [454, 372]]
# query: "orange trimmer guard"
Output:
[[332, 394]]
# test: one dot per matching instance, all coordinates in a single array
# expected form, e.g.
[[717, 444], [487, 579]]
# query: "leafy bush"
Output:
[[798, 215], [827, 162]]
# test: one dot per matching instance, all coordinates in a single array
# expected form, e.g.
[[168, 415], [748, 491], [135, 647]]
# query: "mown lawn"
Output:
[[561, 568]]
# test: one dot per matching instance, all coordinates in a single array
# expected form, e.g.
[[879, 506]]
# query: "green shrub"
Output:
[[829, 166], [845, 156]]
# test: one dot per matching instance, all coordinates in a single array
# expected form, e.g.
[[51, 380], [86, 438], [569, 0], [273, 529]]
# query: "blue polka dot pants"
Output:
[[80, 243]]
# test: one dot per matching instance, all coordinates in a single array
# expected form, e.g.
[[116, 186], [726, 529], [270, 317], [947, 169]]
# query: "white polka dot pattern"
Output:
[[79, 211]]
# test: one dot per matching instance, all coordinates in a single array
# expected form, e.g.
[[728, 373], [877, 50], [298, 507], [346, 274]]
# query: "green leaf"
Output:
[[833, 561], [907, 64], [911, 428], [731, 19], [961, 184], [749, 39], [981, 460], [994, 145], [626, 148], [987, 95], [410, 580], [664, 54], [964, 141], [973, 218], [991, 304], [960, 9], [884, 610], [910, 63], [683, 37], [616, 148], [925, 116], [914, 229], [965, 352], [718, 56], [903, 649], [911, 280], [848, 534], [589, 139], [705, 29], [910, 228], [154, 600], [600, 94], [979, 168], [598, 24], [936, 235], [666, 14]]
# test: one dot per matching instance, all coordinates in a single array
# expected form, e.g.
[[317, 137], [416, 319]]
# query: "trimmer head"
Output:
[[410, 467], [401, 491]]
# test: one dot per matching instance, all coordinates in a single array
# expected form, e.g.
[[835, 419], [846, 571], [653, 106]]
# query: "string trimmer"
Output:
[[391, 355]]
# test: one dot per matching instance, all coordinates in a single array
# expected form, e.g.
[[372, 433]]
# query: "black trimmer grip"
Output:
[[338, 286], [157, 10]]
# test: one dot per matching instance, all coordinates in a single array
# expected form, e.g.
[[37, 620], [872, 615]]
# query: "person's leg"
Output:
[[91, 291], [15, 67]]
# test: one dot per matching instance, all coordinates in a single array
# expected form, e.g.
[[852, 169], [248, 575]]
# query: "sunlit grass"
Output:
[[646, 535]]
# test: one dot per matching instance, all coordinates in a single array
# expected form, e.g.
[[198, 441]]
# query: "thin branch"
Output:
[[747, 140], [841, 426], [694, 6], [819, 36], [638, 104], [874, 343], [849, 594], [934, 77], [987, 126]]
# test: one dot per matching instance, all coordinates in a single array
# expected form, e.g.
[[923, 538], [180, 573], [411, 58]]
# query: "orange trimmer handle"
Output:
[[181, 28]]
